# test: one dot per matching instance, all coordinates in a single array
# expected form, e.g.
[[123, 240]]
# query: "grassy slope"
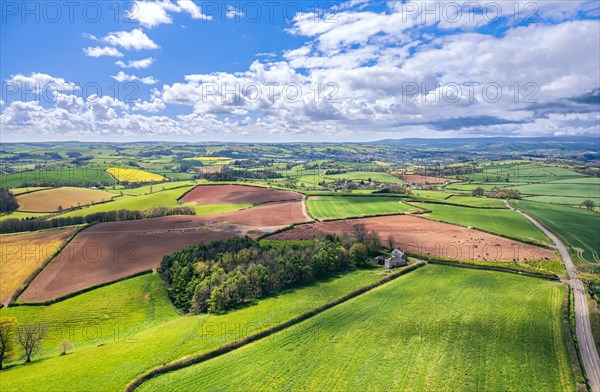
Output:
[[112, 366], [96, 316], [21, 215], [352, 206], [438, 328], [502, 222], [573, 190], [61, 176], [578, 227], [364, 176]]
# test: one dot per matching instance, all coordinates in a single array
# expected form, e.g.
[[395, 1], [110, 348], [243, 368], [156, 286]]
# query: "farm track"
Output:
[[587, 347]]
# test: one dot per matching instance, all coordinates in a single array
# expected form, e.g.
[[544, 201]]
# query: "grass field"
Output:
[[475, 201], [590, 191], [23, 254], [21, 215], [89, 175], [148, 189], [437, 328], [579, 228], [336, 207], [364, 176], [569, 201], [133, 175], [100, 315], [111, 366], [498, 221], [166, 198], [526, 172], [56, 199]]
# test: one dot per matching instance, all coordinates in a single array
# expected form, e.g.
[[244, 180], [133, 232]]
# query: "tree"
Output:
[[30, 337], [65, 346], [390, 241], [360, 232], [477, 192], [8, 202], [588, 204], [358, 254], [7, 332]]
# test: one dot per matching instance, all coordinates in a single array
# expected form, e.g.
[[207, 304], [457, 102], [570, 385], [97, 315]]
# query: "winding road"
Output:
[[591, 362]]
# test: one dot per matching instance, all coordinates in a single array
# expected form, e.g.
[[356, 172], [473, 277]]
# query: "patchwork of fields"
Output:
[[437, 328]]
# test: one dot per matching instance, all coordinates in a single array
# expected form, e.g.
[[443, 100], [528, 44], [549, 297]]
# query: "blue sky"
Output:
[[297, 71]]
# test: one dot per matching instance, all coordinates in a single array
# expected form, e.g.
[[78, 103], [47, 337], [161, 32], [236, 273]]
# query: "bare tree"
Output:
[[390, 241], [7, 331], [30, 338], [65, 346], [359, 232]]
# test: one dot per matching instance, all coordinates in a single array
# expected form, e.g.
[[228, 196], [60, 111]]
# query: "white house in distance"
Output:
[[398, 259]]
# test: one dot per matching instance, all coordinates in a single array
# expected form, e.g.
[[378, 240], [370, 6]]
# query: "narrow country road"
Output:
[[591, 362]]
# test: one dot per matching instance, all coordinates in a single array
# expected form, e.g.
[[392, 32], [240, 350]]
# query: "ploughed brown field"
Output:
[[237, 194], [428, 238], [114, 250], [417, 179], [109, 251]]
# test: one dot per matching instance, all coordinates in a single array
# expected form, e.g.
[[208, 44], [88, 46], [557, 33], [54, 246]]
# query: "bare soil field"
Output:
[[417, 179], [428, 238], [21, 255], [237, 194], [266, 217], [109, 251], [52, 200]]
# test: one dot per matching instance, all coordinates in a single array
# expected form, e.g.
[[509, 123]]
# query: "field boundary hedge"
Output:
[[460, 205], [182, 363], [496, 268], [17, 293], [85, 290]]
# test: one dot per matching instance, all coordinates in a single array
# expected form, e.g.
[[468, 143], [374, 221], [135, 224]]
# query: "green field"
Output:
[[88, 175], [569, 201], [498, 221], [21, 215], [110, 364], [337, 207], [437, 328], [364, 176], [579, 228], [590, 191], [95, 316], [475, 201], [526, 172]]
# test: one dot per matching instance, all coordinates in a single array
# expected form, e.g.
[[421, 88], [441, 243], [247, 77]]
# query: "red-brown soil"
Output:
[[237, 194], [427, 237], [417, 179], [266, 217], [109, 251]]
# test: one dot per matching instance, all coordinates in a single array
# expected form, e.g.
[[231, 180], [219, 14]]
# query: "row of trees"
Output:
[[33, 224], [27, 337], [497, 193], [224, 274]]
